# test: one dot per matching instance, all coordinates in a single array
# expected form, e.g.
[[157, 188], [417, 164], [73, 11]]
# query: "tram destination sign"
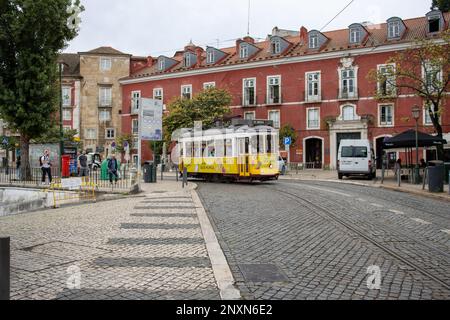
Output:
[[150, 120]]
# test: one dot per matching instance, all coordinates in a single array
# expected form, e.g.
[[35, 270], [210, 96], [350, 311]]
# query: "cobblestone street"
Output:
[[139, 248], [316, 240]]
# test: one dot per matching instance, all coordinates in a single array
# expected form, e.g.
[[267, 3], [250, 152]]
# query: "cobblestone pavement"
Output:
[[139, 248], [317, 240]]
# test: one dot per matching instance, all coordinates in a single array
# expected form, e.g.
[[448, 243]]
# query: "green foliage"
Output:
[[120, 141], [52, 135], [12, 144], [208, 106], [443, 5], [156, 147], [288, 131]]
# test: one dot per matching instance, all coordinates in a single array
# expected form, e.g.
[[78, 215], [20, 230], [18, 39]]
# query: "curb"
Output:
[[221, 269], [419, 193]]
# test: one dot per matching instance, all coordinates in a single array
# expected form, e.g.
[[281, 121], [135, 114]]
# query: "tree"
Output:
[[287, 131], [32, 33], [443, 5], [53, 136], [422, 70], [208, 106], [121, 140]]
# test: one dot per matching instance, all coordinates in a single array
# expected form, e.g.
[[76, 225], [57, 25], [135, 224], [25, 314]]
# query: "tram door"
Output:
[[243, 157]]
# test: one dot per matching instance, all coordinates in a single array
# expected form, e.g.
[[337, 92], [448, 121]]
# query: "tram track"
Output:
[[400, 203], [328, 214]]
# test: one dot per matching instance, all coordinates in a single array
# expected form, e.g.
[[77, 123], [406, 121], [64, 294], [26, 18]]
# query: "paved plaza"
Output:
[[148, 247]]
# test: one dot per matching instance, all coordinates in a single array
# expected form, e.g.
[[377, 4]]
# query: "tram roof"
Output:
[[187, 133]]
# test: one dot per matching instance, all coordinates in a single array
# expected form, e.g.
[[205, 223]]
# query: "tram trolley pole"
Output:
[[5, 261]]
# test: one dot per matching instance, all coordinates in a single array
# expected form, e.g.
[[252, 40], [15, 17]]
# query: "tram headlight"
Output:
[[271, 166]]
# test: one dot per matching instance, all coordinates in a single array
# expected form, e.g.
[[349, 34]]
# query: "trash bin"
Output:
[[65, 162], [436, 172], [148, 172]]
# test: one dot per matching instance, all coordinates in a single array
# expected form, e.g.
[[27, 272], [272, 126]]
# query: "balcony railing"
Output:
[[245, 102], [274, 101], [344, 94], [105, 104], [312, 99]]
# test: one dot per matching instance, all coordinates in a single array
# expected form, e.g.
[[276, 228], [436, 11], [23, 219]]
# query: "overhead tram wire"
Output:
[[337, 15]]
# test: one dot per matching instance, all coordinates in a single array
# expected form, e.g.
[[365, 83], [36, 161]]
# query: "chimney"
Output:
[[149, 61], [304, 34]]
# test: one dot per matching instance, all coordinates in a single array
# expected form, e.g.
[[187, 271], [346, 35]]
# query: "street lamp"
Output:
[[61, 65], [416, 116]]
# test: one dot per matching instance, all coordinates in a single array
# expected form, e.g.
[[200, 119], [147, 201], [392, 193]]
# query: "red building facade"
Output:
[[316, 82]]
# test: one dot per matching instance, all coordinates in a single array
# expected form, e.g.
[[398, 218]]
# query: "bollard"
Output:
[[5, 260], [449, 182], [382, 172], [425, 177], [162, 172], [185, 177], [399, 177]]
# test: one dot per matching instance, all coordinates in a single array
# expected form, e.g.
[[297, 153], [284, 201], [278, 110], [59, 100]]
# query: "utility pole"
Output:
[[61, 132]]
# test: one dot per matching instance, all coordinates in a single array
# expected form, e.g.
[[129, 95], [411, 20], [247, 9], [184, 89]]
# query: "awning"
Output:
[[407, 139]]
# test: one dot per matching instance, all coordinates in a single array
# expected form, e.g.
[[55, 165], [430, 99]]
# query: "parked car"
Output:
[[281, 165], [94, 161], [356, 158]]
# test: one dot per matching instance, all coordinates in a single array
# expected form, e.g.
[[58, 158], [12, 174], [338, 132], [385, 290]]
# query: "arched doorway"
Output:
[[313, 157]]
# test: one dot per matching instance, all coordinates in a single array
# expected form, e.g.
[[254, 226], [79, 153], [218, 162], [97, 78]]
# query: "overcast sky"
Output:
[[151, 27]]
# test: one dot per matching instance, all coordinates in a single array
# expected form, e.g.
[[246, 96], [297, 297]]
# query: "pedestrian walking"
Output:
[[113, 167], [18, 164], [83, 165], [46, 167]]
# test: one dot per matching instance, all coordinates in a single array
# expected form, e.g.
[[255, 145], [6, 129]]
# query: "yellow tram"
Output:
[[236, 153]]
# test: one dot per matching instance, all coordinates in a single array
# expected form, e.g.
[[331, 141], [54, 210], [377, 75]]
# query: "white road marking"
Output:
[[446, 231], [377, 205], [361, 199], [397, 212], [420, 221], [331, 191]]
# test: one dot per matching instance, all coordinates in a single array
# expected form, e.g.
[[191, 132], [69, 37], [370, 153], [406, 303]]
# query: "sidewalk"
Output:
[[389, 183]]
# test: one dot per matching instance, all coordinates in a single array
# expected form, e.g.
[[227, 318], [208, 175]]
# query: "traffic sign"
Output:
[[5, 140], [287, 141]]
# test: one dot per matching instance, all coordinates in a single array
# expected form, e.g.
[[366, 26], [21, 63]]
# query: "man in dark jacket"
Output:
[[113, 167]]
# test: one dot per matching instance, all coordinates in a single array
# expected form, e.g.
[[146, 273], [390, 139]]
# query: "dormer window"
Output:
[[435, 21], [210, 56], [394, 29], [161, 64], [355, 35], [187, 60], [313, 41], [243, 52], [276, 47]]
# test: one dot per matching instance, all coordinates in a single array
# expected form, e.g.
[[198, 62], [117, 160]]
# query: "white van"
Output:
[[356, 158]]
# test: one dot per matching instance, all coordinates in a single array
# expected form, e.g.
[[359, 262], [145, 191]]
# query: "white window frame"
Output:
[[355, 82], [104, 111], [386, 124], [394, 29], [158, 92], [210, 57], [209, 85], [243, 51], [424, 75], [105, 100], [187, 86], [355, 113], [162, 64], [135, 101], [250, 112], [393, 87], [313, 98], [67, 114], [276, 46], [88, 136], [244, 82], [67, 92], [355, 34], [279, 118], [134, 125], [427, 116], [313, 41], [113, 131], [308, 127], [105, 66], [187, 60], [268, 93]]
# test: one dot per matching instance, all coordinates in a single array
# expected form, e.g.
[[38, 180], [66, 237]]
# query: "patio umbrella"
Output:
[[407, 139]]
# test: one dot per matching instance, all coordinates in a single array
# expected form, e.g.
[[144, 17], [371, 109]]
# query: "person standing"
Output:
[[46, 167], [113, 167], [83, 165]]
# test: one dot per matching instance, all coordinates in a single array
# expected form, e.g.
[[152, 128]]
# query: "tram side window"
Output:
[[228, 148], [189, 149], [211, 149], [269, 144], [197, 149], [220, 145], [254, 145]]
